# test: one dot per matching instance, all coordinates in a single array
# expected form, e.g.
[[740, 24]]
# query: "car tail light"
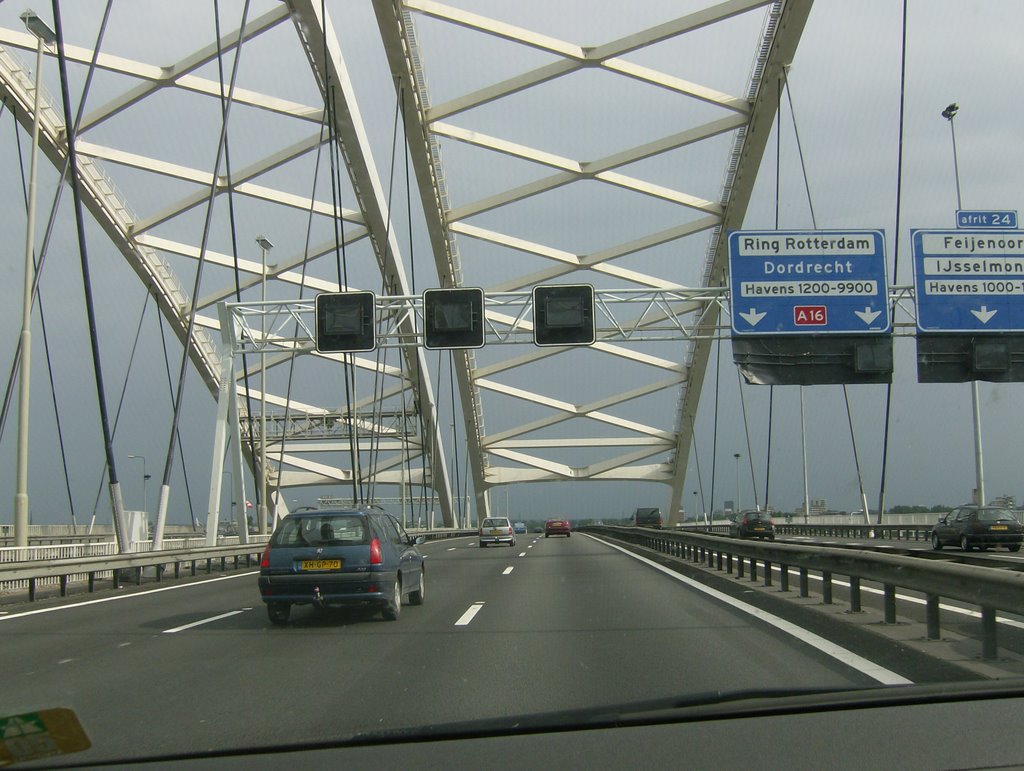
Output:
[[376, 557], [265, 560]]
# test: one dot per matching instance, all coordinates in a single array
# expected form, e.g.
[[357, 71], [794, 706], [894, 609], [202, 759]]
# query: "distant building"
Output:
[[1006, 502], [818, 507]]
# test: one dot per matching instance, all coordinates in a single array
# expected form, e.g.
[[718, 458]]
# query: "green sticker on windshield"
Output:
[[40, 734]]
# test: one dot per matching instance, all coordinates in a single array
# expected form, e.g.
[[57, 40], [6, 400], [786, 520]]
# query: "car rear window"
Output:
[[327, 529], [996, 515], [495, 523]]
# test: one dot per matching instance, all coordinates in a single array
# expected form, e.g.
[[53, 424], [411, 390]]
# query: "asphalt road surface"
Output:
[[551, 624]]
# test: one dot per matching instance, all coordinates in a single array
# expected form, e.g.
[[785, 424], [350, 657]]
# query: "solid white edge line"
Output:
[[203, 621], [126, 596], [837, 652], [466, 617], [507, 570]]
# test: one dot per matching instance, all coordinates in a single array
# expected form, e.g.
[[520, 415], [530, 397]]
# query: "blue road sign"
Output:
[[1005, 219], [808, 282], [969, 281]]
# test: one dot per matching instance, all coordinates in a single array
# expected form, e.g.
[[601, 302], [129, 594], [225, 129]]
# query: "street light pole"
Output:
[[979, 467], [44, 37], [265, 246], [737, 456], [803, 439]]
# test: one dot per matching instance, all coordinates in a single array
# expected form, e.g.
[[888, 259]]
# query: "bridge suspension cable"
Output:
[[896, 252], [115, 489]]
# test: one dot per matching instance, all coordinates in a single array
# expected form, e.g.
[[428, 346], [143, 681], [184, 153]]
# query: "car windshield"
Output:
[[322, 530], [313, 308]]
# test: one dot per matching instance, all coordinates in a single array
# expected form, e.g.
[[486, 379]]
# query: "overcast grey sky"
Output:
[[845, 88]]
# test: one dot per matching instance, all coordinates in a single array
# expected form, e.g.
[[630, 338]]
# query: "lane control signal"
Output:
[[453, 318], [345, 322], [564, 315]]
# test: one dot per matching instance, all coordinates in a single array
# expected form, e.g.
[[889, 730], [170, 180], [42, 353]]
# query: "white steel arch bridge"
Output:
[[513, 132]]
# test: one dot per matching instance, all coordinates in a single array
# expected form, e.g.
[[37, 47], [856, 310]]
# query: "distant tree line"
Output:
[[917, 509]]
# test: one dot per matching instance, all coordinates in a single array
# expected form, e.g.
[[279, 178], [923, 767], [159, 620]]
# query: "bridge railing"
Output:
[[32, 567], [987, 588], [62, 571], [895, 532], [66, 551]]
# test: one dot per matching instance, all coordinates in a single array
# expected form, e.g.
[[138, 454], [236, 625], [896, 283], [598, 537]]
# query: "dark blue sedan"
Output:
[[341, 558]]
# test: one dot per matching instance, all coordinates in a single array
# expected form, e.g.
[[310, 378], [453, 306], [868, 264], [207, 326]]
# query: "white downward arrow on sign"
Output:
[[867, 315], [984, 315], [752, 317]]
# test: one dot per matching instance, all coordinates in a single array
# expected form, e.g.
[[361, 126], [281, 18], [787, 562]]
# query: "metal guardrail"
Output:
[[53, 540], [440, 535], [35, 553], [112, 565], [987, 588], [881, 532], [68, 562]]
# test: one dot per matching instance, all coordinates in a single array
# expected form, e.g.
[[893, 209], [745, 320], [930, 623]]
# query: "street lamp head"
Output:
[[264, 243], [38, 27], [736, 455], [950, 111]]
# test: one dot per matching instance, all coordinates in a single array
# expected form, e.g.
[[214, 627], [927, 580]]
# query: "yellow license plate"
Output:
[[759, 529], [321, 565], [495, 532], [999, 527]]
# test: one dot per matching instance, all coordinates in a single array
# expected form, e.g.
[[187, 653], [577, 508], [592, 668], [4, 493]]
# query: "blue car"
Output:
[[341, 558]]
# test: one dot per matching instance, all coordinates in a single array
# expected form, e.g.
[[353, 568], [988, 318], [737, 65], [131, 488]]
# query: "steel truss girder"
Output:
[[324, 54], [129, 233], [429, 173], [427, 123], [779, 48], [108, 207]]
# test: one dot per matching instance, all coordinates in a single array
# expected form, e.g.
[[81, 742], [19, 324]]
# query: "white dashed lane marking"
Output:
[[466, 617], [205, 621]]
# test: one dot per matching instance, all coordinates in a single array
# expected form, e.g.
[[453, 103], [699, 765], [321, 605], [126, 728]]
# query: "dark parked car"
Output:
[[557, 527], [335, 558], [752, 524], [978, 526]]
